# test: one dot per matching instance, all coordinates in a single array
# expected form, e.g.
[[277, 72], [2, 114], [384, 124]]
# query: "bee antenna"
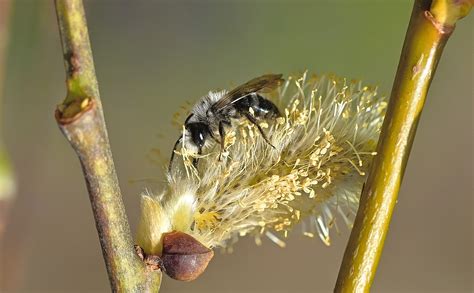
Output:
[[172, 153]]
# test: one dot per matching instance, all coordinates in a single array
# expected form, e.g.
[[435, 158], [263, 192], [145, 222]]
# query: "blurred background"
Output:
[[153, 56]]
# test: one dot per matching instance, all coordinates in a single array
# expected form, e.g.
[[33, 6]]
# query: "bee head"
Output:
[[199, 132]]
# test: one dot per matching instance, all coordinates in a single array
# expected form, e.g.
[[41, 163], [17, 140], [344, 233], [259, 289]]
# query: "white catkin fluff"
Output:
[[323, 144]]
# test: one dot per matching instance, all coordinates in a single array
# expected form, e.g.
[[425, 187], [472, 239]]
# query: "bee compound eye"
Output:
[[199, 132], [184, 258]]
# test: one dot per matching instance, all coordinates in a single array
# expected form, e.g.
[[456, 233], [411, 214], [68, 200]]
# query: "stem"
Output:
[[4, 25], [81, 120], [424, 42], [7, 180]]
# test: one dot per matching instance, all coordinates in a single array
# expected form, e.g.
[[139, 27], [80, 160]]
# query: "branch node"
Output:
[[442, 28], [152, 262], [70, 111]]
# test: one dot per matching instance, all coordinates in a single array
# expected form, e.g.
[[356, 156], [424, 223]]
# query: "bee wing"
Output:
[[264, 82]]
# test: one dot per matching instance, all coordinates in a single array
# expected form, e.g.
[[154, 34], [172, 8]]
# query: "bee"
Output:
[[214, 113]]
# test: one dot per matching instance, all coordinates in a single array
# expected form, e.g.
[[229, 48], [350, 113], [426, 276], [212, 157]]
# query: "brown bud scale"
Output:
[[184, 258]]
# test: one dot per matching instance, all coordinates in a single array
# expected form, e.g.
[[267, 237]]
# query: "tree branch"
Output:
[[425, 39], [7, 180], [81, 120]]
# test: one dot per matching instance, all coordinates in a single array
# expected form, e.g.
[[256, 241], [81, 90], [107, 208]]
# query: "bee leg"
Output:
[[255, 122], [172, 153], [214, 137], [222, 135], [187, 119], [195, 160]]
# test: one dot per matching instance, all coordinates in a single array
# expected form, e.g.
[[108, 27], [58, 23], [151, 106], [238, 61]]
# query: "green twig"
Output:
[[80, 118], [426, 37]]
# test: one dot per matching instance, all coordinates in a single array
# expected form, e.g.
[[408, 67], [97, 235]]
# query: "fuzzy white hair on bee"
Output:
[[307, 165], [200, 109], [199, 117]]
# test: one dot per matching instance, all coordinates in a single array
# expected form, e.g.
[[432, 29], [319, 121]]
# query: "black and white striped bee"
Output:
[[211, 116]]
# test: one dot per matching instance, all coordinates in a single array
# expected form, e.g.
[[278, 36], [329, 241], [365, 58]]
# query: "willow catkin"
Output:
[[323, 145]]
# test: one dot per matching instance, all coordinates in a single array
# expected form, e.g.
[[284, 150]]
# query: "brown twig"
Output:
[[425, 39], [81, 120], [4, 27], [7, 182]]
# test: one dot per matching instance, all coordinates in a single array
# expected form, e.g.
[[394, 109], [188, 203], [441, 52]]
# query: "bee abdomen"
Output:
[[262, 108]]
